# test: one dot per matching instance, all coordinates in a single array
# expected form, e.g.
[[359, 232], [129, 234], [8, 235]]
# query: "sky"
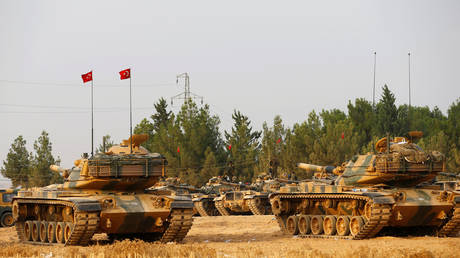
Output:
[[263, 58]]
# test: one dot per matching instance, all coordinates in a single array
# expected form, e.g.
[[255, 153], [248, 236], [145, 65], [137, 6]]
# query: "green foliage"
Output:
[[17, 165], [387, 114], [41, 175], [105, 145], [242, 147]]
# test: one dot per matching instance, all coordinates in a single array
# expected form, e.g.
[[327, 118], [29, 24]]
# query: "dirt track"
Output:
[[238, 236]]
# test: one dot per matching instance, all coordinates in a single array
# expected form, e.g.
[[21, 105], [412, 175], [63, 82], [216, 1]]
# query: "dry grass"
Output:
[[238, 236]]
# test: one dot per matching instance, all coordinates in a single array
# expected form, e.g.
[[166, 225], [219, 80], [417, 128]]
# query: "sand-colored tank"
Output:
[[104, 194], [385, 193], [257, 199], [234, 202], [204, 200]]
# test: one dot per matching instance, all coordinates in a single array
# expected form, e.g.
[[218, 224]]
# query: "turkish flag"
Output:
[[87, 77], [125, 74]]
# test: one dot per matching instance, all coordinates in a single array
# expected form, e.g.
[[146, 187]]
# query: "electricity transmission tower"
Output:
[[187, 95]]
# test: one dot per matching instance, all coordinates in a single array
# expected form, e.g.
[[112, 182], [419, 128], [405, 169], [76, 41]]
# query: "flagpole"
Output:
[[92, 116], [130, 115]]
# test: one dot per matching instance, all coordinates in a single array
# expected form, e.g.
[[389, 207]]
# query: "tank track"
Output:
[[180, 222], [20, 230], [203, 211], [222, 210], [379, 218], [452, 227], [255, 209], [85, 226]]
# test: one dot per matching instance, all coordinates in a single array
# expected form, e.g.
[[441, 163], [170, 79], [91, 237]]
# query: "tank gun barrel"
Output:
[[56, 168], [316, 168]]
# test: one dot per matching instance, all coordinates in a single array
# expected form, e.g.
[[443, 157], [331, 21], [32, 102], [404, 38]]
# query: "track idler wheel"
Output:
[[304, 224], [343, 226], [292, 225], [317, 225], [329, 225], [356, 224]]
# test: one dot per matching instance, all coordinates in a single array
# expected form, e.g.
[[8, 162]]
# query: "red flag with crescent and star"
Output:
[[125, 74], [87, 77]]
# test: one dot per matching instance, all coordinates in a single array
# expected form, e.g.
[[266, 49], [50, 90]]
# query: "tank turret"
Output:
[[397, 163]]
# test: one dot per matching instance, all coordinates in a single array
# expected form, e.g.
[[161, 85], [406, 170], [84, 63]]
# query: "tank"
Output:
[[104, 194], [387, 193], [203, 201], [6, 198], [257, 199], [171, 186], [234, 202]]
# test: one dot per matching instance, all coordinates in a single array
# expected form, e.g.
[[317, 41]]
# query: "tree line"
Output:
[[196, 149]]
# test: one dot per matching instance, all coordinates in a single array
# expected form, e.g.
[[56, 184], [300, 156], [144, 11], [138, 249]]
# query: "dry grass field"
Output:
[[241, 236]]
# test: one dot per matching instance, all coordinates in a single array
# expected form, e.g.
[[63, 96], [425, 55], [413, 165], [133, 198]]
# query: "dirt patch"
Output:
[[241, 236]]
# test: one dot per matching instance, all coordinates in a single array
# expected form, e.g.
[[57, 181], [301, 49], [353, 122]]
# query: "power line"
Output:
[[64, 84]]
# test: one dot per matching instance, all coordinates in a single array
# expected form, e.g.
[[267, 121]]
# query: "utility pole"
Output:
[[187, 95]]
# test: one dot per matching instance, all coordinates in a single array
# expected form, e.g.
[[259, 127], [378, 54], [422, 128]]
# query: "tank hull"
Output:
[[318, 210], [80, 215]]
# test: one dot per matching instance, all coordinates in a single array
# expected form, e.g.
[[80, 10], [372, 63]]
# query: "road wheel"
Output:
[[292, 225], [36, 230], [304, 224], [343, 226], [28, 230], [51, 232], [7, 219], [356, 223], [317, 225], [68, 231], [60, 232], [43, 231], [329, 225]]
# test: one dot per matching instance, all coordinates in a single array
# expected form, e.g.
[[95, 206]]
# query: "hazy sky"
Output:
[[264, 58]]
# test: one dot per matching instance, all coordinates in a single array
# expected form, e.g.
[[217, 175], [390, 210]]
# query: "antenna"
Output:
[[408, 112], [187, 95], [373, 92]]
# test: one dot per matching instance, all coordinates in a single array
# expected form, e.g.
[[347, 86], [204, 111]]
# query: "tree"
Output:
[[273, 142], [162, 115], [209, 169], [17, 165], [105, 145], [363, 117], [242, 146], [43, 158], [387, 113]]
